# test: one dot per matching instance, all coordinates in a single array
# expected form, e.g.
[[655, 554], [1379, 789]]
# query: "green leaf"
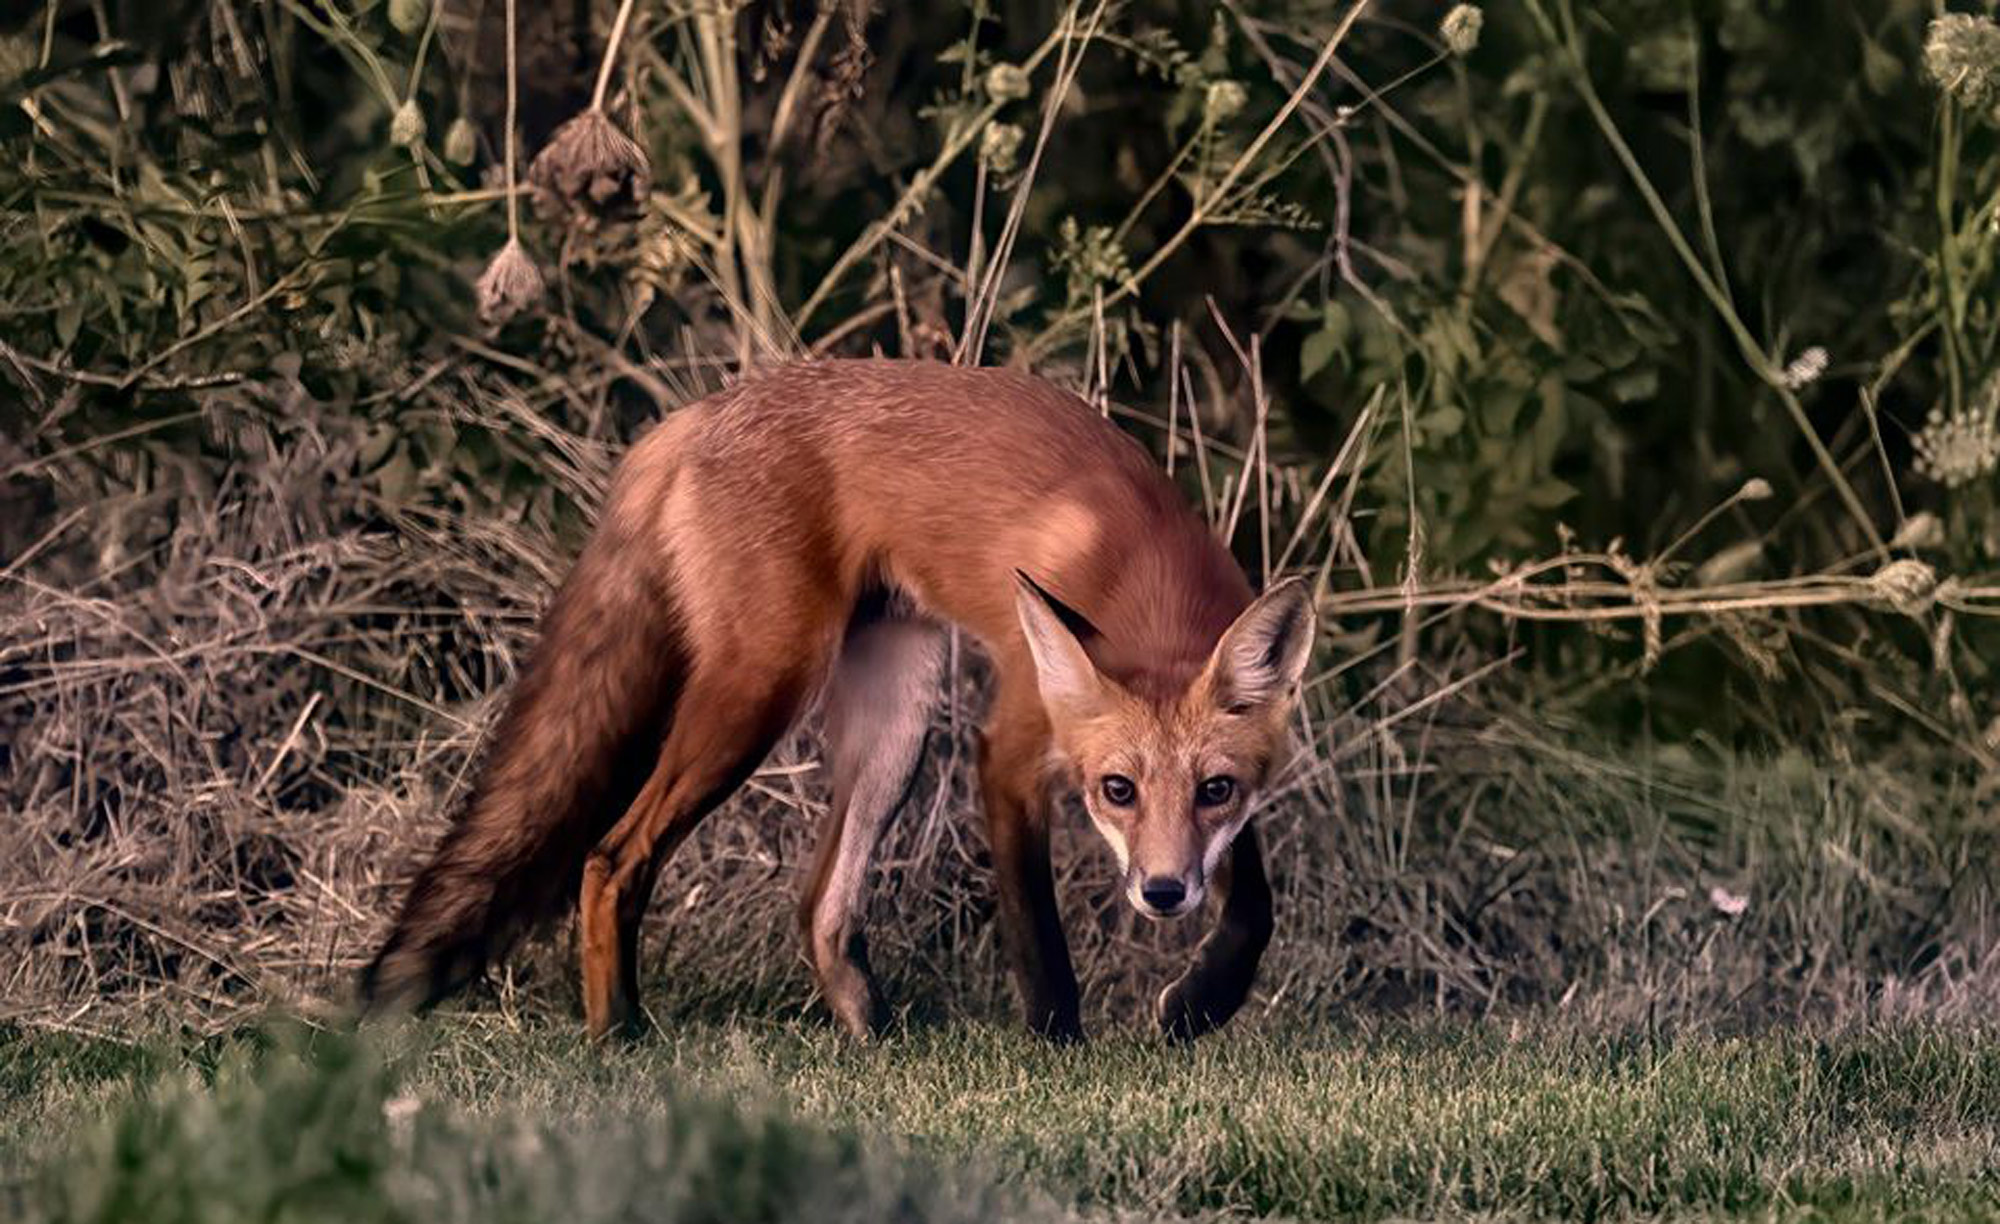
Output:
[[1549, 494], [1502, 408], [1319, 351]]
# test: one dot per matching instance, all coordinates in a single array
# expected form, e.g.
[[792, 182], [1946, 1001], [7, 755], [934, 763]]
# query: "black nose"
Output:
[[1163, 892]]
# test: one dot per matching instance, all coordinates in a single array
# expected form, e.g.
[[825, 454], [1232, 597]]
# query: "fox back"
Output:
[[939, 482]]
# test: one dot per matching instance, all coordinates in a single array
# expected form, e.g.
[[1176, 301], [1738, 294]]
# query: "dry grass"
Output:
[[235, 708], [228, 742]]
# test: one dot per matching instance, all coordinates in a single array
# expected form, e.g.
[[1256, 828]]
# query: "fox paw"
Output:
[[856, 1002], [1197, 1003]]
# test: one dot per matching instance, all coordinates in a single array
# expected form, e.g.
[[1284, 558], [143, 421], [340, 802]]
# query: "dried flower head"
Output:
[[1000, 147], [1224, 100], [510, 285], [666, 255], [1754, 489], [1907, 585], [841, 83], [461, 142], [409, 16], [1805, 369], [590, 169], [1007, 82], [406, 130], [1461, 27], [1961, 446], [1920, 530], [1962, 55]]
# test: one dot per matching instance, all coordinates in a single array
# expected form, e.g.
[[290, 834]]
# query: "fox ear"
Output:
[[1067, 677], [1262, 656]]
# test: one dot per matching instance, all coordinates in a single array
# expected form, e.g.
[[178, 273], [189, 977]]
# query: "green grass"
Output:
[[750, 1120]]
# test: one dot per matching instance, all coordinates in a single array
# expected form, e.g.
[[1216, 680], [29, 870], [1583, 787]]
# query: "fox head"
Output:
[[1169, 781]]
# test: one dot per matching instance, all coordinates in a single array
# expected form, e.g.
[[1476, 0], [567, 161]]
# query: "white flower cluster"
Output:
[[1961, 446], [1805, 368]]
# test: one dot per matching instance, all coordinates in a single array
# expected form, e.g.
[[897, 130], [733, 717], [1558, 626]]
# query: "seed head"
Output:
[[1461, 27], [1000, 147], [590, 169], [509, 285], [406, 130], [1962, 55], [1007, 82], [666, 257], [1805, 369], [1224, 100], [461, 142], [1920, 530], [408, 16], [1754, 489], [1907, 585]]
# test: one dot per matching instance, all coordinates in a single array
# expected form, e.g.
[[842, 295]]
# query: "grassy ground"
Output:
[[751, 1119]]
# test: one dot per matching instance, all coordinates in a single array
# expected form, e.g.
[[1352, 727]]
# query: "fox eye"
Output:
[[1119, 790], [1214, 792]]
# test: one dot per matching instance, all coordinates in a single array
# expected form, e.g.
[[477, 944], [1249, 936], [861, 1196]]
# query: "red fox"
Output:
[[807, 535]]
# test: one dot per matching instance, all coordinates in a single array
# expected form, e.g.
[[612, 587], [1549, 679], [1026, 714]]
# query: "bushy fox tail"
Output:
[[581, 732]]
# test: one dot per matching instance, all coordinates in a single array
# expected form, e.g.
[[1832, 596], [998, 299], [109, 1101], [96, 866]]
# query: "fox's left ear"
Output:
[[1055, 633], [1262, 656]]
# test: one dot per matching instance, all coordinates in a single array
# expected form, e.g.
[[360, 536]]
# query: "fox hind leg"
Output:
[[631, 915], [727, 723], [878, 710]]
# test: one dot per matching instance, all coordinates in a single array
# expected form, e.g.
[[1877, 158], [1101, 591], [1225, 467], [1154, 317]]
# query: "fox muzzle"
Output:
[[1163, 896]]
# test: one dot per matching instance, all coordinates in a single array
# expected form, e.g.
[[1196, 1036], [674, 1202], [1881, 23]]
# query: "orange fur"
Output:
[[749, 545]]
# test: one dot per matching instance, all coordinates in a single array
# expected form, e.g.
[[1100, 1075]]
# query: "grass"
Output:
[[752, 1119]]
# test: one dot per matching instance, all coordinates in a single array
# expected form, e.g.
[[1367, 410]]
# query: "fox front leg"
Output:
[[1225, 964], [1017, 823]]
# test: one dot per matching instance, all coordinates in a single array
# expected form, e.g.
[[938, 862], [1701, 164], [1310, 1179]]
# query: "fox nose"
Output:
[[1163, 893]]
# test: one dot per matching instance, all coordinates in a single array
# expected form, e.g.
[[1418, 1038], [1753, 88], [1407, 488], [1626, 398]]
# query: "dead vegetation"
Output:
[[230, 736]]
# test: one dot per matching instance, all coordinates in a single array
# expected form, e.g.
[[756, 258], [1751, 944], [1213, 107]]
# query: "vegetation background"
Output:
[[1624, 372]]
